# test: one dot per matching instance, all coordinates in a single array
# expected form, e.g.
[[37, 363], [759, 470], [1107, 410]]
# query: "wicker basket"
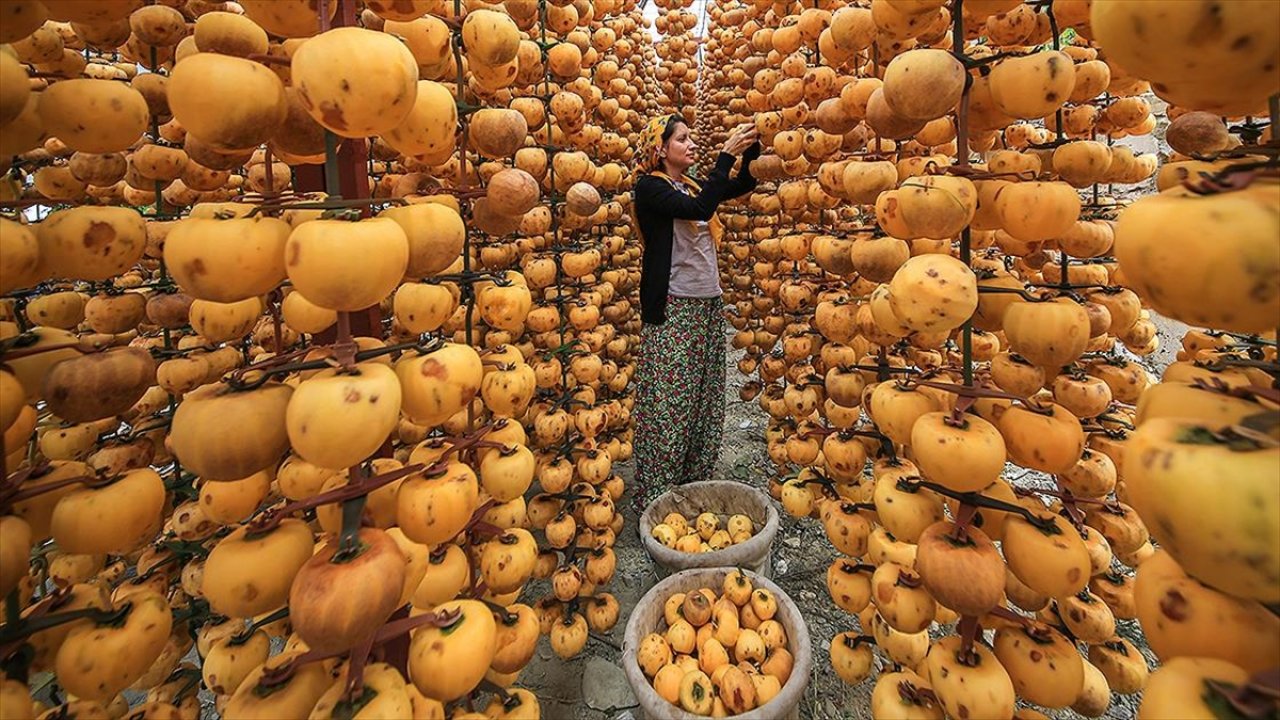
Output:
[[723, 498], [648, 618]]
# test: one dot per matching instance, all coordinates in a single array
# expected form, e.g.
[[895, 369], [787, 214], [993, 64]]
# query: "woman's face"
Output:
[[680, 148]]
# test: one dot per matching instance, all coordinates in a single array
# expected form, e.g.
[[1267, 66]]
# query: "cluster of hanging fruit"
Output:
[[330, 342], [939, 277]]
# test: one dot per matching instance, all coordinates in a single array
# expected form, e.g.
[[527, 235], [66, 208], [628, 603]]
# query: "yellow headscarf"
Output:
[[650, 162], [650, 143]]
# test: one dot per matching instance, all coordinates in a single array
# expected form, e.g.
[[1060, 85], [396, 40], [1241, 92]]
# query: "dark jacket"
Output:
[[658, 203]]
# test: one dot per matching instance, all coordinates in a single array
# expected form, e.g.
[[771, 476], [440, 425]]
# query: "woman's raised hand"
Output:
[[742, 137]]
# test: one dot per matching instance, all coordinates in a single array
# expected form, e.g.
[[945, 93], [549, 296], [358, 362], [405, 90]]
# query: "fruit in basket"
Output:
[[705, 534], [653, 654], [737, 691], [800, 267], [733, 676], [696, 609], [696, 693]]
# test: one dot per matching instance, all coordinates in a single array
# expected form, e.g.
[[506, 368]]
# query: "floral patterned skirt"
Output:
[[679, 411]]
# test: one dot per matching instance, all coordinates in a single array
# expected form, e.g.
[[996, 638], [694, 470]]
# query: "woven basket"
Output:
[[723, 498], [648, 618]]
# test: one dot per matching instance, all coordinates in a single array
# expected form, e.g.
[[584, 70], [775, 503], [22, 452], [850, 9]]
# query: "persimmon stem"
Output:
[[1040, 523], [18, 629], [243, 636], [268, 520], [1256, 698], [909, 580], [853, 641], [440, 619], [505, 615], [1007, 614], [36, 490], [914, 695], [192, 682]]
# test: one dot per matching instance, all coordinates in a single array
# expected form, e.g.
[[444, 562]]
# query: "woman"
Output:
[[679, 407]]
